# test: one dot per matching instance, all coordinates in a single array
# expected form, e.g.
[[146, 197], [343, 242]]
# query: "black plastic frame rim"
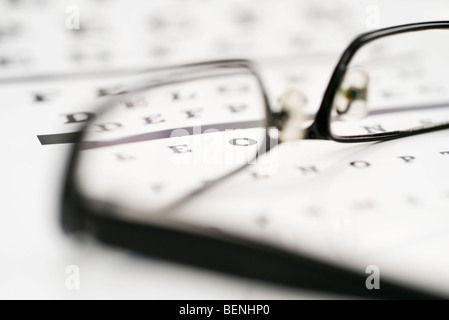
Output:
[[73, 220], [320, 128], [241, 257]]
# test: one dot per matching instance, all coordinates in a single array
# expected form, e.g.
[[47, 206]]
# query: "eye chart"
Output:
[[338, 202]]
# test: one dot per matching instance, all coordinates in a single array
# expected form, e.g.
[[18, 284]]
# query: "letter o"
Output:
[[266, 309], [360, 164]]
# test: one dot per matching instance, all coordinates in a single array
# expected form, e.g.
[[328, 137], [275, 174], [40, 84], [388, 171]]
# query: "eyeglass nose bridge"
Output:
[[290, 119]]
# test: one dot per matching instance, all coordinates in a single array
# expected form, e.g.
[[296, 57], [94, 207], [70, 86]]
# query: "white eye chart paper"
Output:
[[350, 204]]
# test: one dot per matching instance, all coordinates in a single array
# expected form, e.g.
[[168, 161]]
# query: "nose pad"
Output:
[[292, 104], [350, 101]]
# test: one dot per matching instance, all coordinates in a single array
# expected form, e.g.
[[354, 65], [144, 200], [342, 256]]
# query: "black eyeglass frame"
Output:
[[320, 128], [244, 257]]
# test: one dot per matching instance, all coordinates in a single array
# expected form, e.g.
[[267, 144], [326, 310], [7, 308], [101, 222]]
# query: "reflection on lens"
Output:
[[150, 149], [394, 84]]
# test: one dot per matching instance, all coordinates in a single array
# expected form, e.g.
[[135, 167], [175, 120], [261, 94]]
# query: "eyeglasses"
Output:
[[156, 145]]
